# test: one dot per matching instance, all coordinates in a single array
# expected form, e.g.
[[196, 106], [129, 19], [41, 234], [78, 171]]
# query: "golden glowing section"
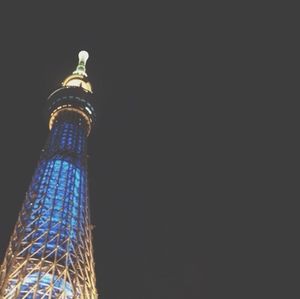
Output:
[[69, 108], [78, 81]]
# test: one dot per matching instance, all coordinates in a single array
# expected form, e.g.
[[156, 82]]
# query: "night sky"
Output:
[[153, 155]]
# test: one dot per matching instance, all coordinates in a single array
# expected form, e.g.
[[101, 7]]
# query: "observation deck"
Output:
[[75, 95]]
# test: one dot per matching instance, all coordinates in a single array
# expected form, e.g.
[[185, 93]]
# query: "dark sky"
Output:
[[154, 153]]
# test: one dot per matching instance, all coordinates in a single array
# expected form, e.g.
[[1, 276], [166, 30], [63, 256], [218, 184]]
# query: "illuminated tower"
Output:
[[50, 253]]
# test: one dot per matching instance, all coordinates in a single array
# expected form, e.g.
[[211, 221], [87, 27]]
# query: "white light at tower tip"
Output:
[[83, 56]]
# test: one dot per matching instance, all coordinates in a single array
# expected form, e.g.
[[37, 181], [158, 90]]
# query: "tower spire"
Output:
[[81, 67], [79, 77]]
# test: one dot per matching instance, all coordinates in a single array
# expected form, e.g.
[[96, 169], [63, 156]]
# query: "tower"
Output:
[[50, 253]]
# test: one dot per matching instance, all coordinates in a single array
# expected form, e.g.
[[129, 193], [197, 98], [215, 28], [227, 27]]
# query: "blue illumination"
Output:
[[57, 195], [45, 281], [57, 205], [68, 136]]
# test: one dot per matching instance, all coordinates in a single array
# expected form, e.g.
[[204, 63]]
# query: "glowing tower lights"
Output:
[[50, 253]]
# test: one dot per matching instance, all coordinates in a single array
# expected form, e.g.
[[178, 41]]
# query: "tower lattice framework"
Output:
[[50, 253]]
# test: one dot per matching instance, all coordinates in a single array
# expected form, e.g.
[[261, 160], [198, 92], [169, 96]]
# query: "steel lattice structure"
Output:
[[50, 253]]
